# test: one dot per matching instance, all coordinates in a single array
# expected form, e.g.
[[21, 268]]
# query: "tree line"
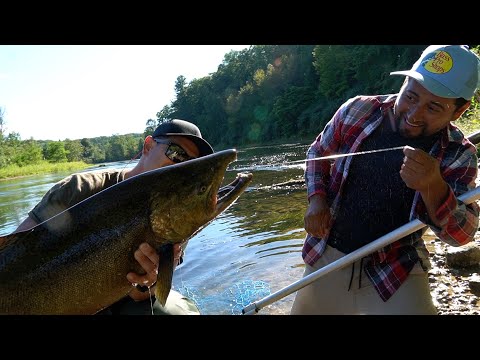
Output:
[[14, 151], [265, 93], [270, 93]]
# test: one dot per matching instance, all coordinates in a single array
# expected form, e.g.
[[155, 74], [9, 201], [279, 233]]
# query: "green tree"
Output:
[[334, 67], [74, 150], [151, 126], [2, 122], [87, 146], [12, 147], [55, 152], [98, 154], [288, 108], [30, 153]]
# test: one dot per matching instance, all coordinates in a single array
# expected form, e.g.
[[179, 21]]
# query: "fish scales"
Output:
[[76, 262]]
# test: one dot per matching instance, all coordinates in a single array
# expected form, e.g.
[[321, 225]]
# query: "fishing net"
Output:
[[192, 294], [235, 298], [246, 292]]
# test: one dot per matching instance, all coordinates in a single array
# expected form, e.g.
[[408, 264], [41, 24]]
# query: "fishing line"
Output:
[[151, 298], [328, 157], [349, 154], [139, 153]]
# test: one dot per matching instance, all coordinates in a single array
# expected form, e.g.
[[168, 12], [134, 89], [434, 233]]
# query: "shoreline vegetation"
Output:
[[45, 167], [14, 171]]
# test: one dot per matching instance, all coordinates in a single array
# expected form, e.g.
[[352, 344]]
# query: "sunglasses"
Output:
[[174, 151]]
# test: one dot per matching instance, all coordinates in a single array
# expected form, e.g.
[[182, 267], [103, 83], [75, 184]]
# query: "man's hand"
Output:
[[419, 170], [148, 259], [318, 219]]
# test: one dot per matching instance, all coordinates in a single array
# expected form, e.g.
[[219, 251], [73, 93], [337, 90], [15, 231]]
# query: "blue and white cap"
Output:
[[449, 71]]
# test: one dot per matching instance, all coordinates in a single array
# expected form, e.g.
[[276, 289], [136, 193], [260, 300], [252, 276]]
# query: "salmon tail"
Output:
[[165, 273]]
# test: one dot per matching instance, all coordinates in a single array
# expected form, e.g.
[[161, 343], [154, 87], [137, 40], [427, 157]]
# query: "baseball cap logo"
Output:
[[439, 62]]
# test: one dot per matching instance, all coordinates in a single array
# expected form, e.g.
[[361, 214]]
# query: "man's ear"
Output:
[[459, 112], [148, 144]]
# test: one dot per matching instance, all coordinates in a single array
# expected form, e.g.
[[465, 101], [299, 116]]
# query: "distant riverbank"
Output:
[[12, 171]]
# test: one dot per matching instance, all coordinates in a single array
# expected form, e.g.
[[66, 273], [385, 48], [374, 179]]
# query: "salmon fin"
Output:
[[165, 273]]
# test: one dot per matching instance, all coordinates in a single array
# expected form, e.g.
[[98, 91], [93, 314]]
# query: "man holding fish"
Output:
[[172, 142]]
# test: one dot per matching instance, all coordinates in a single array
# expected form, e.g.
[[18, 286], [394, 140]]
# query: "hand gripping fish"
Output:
[[77, 261]]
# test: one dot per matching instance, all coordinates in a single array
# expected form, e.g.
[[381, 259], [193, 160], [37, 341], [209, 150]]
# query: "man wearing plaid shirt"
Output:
[[354, 200]]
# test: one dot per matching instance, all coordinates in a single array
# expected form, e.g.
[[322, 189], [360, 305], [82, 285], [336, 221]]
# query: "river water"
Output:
[[250, 251]]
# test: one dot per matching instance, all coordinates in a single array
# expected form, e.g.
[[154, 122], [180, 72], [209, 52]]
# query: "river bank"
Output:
[[15, 172], [455, 289]]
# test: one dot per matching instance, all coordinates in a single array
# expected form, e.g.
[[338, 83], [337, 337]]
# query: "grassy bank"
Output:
[[45, 167]]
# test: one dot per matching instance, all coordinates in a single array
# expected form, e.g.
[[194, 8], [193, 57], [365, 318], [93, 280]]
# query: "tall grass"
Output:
[[44, 167]]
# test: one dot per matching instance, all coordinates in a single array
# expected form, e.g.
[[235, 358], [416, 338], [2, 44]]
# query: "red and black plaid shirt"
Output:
[[352, 123]]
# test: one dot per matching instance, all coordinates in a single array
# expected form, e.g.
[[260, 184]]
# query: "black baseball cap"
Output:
[[184, 128]]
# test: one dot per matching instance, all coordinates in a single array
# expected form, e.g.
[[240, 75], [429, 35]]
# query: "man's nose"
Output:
[[415, 113]]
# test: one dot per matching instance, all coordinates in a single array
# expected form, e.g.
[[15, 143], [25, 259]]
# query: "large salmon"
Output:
[[76, 262]]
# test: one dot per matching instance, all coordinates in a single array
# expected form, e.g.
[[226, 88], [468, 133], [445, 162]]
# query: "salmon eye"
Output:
[[203, 189]]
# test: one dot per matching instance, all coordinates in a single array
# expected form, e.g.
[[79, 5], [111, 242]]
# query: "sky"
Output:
[[58, 92]]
